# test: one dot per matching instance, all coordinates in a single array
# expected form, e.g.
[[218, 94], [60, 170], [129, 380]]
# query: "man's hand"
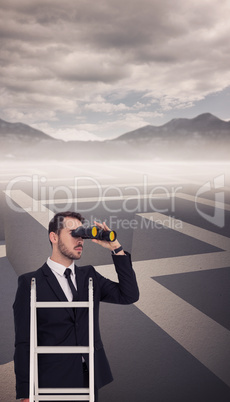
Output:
[[107, 244], [25, 400]]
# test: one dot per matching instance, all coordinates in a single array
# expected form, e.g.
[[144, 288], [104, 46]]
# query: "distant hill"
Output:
[[204, 137], [20, 141], [21, 132], [203, 126]]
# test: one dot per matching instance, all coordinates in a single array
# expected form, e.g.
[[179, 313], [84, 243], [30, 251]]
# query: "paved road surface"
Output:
[[174, 343]]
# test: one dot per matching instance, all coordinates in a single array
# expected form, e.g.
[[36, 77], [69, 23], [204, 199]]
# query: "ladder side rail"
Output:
[[35, 354], [32, 338], [91, 342]]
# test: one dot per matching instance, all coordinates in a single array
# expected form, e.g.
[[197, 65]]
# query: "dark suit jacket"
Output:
[[62, 328]]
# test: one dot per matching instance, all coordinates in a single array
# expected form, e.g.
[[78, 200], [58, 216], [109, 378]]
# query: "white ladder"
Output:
[[35, 391]]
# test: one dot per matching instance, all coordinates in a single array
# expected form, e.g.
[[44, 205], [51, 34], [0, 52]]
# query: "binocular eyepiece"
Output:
[[93, 232]]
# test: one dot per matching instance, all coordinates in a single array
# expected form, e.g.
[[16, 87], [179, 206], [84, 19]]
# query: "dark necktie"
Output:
[[71, 285]]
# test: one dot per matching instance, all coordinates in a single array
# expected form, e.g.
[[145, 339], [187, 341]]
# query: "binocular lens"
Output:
[[85, 233], [112, 235], [93, 232], [106, 235]]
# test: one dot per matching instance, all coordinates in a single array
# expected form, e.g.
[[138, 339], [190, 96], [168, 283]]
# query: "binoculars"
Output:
[[93, 232]]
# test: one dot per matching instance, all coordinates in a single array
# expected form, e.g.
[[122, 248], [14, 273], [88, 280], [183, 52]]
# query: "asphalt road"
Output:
[[174, 343]]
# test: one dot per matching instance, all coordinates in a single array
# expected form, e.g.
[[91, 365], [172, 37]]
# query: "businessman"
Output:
[[60, 279]]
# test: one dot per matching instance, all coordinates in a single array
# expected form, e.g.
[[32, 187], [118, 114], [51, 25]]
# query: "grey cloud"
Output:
[[102, 23], [107, 25], [72, 48], [94, 74]]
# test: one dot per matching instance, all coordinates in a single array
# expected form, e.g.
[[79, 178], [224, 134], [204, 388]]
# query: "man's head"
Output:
[[60, 229]]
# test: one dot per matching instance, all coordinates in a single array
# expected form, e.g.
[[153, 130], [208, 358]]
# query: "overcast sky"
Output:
[[101, 68]]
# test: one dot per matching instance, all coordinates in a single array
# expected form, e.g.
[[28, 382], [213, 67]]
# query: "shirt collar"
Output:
[[59, 268]]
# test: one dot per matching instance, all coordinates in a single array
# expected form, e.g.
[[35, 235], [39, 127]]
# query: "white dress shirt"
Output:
[[58, 270]]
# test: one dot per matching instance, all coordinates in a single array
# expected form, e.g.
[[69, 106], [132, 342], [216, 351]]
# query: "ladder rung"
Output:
[[63, 390], [58, 304], [62, 349], [61, 398]]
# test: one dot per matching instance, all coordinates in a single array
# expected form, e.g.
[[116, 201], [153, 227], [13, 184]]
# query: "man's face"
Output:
[[69, 246]]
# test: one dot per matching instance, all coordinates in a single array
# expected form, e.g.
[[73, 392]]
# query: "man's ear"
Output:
[[53, 237]]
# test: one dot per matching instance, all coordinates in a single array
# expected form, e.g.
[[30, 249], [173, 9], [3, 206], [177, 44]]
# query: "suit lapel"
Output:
[[55, 286]]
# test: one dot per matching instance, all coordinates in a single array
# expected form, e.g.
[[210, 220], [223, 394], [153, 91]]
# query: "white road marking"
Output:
[[203, 201], [7, 382], [34, 208], [2, 250], [197, 232]]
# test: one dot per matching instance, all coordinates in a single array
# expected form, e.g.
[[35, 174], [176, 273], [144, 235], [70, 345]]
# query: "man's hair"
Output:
[[57, 222]]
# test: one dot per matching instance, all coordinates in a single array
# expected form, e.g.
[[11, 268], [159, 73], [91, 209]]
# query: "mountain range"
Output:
[[203, 137], [21, 132], [204, 125]]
